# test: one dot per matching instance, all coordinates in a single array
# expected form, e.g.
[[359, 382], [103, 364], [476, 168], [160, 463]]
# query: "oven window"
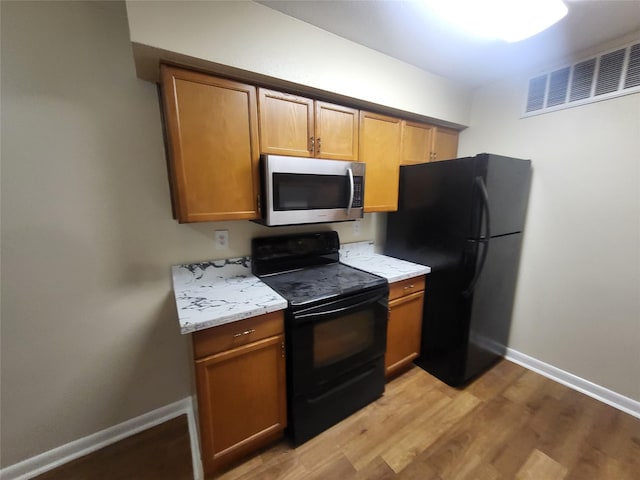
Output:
[[335, 340], [292, 191]]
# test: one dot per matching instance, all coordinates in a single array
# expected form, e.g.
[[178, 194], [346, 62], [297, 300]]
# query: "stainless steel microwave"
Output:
[[307, 190]]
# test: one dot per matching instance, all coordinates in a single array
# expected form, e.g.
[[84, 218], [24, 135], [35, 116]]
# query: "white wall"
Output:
[[250, 37], [578, 299], [89, 333]]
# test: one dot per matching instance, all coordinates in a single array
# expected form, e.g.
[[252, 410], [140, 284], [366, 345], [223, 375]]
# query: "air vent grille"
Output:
[[610, 74], [537, 86], [582, 80], [558, 84], [633, 69]]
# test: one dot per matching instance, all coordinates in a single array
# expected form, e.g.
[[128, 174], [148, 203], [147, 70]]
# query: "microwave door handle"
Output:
[[351, 189]]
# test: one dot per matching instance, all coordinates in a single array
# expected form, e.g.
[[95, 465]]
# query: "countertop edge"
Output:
[[189, 327]]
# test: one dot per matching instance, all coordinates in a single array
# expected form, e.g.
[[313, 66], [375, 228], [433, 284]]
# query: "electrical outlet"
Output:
[[356, 227], [222, 239]]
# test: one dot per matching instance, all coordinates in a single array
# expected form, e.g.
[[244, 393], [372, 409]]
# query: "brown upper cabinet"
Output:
[[422, 142], [445, 144], [417, 142], [212, 133], [299, 126], [380, 142]]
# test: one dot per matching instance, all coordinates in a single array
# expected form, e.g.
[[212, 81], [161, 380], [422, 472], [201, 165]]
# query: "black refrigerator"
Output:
[[465, 219]]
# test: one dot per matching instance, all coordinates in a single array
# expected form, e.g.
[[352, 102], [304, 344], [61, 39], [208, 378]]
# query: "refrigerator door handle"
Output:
[[480, 240]]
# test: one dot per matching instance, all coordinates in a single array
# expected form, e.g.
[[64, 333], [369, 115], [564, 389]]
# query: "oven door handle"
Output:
[[336, 311], [351, 190]]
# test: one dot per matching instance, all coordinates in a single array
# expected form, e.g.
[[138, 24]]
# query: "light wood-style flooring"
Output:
[[510, 423]]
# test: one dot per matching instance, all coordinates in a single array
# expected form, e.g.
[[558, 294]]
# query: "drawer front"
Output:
[[406, 287], [234, 334]]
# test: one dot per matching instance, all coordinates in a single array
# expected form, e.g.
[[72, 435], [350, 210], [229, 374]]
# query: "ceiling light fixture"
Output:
[[509, 20]]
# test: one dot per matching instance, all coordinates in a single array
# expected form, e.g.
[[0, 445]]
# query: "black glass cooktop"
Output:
[[304, 268], [320, 283]]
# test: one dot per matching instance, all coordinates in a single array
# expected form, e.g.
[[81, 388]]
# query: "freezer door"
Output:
[[434, 213], [507, 182]]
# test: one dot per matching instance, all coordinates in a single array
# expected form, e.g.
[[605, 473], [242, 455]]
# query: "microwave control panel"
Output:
[[358, 192]]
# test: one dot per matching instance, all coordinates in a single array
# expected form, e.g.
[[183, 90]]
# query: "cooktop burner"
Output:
[[319, 283]]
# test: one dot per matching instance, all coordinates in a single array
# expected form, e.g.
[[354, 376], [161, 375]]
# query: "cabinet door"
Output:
[[241, 400], [336, 132], [212, 132], [404, 329], [380, 140], [445, 144], [286, 124], [417, 141]]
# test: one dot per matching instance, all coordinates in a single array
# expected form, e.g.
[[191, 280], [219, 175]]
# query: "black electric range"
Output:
[[335, 328]]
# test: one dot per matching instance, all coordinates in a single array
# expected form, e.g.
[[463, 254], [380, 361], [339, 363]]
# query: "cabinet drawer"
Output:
[[406, 287], [234, 334]]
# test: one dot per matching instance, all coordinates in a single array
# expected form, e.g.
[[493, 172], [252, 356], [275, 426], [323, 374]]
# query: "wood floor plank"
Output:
[[530, 387], [483, 471], [398, 420], [540, 466], [515, 451], [381, 437], [476, 439], [377, 469], [339, 467], [495, 381], [562, 438], [418, 436]]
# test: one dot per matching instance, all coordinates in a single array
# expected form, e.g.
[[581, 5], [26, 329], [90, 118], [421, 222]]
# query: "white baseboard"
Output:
[[625, 404], [58, 456]]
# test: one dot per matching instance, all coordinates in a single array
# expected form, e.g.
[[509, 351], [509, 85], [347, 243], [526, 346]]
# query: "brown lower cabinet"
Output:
[[404, 325], [241, 387]]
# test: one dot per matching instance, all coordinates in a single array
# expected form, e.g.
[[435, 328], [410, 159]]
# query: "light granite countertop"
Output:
[[221, 291], [216, 292], [362, 255]]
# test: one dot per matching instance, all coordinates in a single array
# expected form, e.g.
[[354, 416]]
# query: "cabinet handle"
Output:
[[312, 145], [246, 332], [282, 349], [318, 146], [409, 287], [259, 205]]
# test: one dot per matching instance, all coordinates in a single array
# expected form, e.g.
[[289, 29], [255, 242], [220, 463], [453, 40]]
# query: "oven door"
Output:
[[326, 343]]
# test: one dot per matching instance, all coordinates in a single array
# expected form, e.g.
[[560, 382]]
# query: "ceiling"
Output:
[[404, 29]]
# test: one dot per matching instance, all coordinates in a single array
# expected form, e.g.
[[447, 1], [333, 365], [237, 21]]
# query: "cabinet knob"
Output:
[[318, 146], [409, 287]]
